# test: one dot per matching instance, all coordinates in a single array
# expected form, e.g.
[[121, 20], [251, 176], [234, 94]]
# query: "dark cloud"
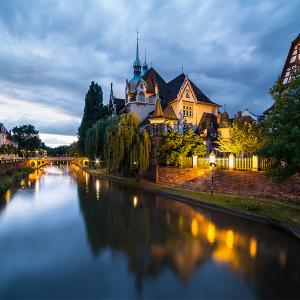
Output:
[[51, 50]]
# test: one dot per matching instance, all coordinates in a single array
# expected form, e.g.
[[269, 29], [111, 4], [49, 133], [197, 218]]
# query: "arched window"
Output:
[[187, 94], [141, 97]]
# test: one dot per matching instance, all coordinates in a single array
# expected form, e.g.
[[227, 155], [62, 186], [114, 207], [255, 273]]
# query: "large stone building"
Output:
[[162, 105], [6, 138]]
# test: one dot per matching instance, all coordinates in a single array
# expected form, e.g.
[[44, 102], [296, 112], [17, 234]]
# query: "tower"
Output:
[[137, 62], [292, 61], [145, 65]]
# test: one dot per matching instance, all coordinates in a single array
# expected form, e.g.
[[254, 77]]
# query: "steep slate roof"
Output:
[[298, 37], [201, 97], [169, 113], [174, 86], [158, 112], [152, 78]]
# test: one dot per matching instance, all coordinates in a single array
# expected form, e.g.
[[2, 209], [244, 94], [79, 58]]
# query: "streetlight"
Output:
[[212, 163], [136, 170]]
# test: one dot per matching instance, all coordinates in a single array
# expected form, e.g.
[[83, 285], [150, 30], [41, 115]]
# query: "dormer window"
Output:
[[141, 97], [187, 94]]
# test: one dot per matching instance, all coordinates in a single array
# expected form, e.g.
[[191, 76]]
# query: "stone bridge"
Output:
[[37, 162]]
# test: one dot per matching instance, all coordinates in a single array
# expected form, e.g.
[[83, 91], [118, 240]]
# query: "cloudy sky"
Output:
[[52, 49]]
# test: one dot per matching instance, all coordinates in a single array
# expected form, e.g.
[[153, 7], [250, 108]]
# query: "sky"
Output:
[[51, 50]]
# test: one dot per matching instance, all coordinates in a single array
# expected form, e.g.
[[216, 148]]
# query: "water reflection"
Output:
[[155, 233], [91, 238]]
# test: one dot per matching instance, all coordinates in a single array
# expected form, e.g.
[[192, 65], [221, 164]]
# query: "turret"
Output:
[[145, 65], [137, 63]]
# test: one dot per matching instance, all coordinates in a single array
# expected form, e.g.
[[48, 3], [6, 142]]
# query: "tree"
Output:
[[93, 111], [28, 137], [246, 137], [282, 130], [95, 138], [173, 146], [127, 147]]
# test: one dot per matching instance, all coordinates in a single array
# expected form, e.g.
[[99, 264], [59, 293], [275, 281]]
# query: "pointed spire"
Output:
[[158, 112], [145, 65], [137, 64], [137, 45]]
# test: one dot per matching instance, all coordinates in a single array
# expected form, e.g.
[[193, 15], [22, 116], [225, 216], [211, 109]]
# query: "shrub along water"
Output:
[[11, 178]]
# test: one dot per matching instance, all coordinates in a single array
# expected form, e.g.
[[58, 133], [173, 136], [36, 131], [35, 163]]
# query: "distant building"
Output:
[[292, 63], [178, 104], [6, 138]]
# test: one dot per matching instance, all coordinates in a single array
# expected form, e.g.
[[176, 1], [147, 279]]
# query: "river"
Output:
[[66, 234]]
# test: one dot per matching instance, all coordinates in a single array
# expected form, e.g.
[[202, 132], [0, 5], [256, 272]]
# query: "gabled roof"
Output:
[[152, 78], [297, 38], [173, 87], [158, 112], [201, 97]]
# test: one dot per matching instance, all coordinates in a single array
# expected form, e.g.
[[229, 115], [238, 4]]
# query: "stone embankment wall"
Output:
[[6, 167], [231, 182]]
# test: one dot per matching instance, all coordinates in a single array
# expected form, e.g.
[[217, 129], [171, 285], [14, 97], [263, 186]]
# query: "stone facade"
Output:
[[230, 182]]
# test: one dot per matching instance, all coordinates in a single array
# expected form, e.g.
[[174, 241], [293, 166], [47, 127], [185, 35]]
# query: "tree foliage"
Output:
[[282, 129], [93, 111], [120, 143], [28, 137], [246, 137], [173, 146], [8, 149]]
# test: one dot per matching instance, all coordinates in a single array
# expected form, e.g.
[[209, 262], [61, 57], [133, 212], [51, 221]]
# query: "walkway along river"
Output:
[[64, 233]]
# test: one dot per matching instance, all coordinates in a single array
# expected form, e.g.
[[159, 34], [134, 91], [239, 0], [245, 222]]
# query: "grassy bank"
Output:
[[12, 177], [287, 212]]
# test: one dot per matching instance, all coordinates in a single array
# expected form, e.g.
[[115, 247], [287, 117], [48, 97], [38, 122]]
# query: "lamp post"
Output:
[[136, 170], [97, 162], [212, 163]]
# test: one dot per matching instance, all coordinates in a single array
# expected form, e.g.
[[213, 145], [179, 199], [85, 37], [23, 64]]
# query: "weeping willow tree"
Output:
[[95, 138], [127, 148]]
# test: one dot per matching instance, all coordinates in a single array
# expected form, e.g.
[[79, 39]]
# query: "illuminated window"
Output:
[[187, 111], [141, 97]]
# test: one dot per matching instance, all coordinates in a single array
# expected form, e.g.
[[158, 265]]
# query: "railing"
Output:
[[11, 160], [225, 163], [243, 163]]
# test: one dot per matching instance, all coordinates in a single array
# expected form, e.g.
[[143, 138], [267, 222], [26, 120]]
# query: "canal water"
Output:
[[65, 234]]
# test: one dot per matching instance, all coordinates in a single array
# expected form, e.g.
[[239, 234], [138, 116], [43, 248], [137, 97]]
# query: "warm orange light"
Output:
[[252, 247], [7, 196], [180, 222], [229, 239], [135, 201], [222, 255], [211, 233], [194, 227]]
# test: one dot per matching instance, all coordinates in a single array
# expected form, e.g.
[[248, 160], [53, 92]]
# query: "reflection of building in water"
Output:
[[157, 233]]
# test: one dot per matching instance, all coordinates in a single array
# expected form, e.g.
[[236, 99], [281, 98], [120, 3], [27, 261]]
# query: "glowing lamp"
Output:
[[231, 161], [212, 158]]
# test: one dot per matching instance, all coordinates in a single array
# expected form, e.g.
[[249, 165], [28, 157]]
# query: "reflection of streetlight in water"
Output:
[[7, 196], [97, 185]]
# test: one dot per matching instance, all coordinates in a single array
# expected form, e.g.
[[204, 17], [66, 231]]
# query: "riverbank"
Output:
[[284, 215], [12, 177]]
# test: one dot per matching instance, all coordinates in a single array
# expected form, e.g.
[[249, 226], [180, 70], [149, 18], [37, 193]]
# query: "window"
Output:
[[141, 97], [187, 94], [187, 111]]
